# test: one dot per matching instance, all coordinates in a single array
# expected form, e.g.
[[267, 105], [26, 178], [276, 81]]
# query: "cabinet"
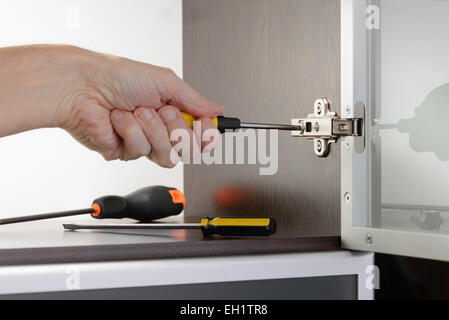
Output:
[[267, 61]]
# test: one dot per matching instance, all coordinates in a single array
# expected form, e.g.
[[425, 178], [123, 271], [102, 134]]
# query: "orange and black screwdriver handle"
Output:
[[144, 205]]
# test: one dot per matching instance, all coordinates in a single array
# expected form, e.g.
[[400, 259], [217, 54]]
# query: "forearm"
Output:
[[123, 109], [34, 82]]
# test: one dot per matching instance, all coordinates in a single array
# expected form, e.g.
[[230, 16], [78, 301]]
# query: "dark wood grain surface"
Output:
[[267, 61], [164, 250], [46, 242]]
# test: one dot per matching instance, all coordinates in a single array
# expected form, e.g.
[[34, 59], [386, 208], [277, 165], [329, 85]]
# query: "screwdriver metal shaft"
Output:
[[123, 226], [47, 216], [248, 125]]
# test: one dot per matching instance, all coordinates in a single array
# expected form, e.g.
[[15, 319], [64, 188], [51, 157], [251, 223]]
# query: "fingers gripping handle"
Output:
[[144, 205]]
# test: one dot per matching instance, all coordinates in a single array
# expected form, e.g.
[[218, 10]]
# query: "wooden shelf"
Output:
[[46, 242]]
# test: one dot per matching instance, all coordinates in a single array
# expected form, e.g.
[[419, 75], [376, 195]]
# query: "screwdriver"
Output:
[[144, 205], [225, 123], [229, 226]]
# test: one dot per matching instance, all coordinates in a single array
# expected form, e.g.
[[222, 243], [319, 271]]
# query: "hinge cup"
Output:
[[324, 127]]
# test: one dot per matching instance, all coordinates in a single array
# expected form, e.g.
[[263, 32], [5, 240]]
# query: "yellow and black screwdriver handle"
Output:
[[238, 227], [222, 123]]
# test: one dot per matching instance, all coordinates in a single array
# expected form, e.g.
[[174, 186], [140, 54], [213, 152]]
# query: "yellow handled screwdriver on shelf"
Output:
[[225, 226], [226, 123]]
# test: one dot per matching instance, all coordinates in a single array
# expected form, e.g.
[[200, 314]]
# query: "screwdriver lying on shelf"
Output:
[[225, 123], [228, 226], [144, 205]]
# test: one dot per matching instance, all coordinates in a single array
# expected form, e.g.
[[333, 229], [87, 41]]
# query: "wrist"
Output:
[[39, 84], [76, 82]]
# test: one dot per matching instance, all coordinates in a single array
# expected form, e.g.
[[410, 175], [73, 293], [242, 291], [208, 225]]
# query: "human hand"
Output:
[[121, 108], [125, 109]]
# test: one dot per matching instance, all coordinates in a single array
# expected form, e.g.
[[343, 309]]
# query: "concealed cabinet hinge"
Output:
[[324, 127]]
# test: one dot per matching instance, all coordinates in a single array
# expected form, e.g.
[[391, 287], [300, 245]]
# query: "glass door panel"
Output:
[[409, 91], [395, 55]]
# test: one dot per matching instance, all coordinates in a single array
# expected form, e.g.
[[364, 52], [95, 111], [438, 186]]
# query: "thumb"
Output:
[[180, 94]]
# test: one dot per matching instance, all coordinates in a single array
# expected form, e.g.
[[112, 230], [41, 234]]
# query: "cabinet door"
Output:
[[395, 194]]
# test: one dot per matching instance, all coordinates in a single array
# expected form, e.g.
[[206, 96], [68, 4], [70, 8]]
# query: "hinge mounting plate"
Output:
[[324, 127]]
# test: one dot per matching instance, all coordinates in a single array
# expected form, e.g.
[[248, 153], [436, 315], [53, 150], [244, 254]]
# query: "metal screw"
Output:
[[318, 108], [316, 126], [347, 197], [319, 146], [348, 144], [301, 127], [348, 109], [369, 238]]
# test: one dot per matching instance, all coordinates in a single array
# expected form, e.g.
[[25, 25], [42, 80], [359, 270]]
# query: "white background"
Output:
[[46, 170]]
